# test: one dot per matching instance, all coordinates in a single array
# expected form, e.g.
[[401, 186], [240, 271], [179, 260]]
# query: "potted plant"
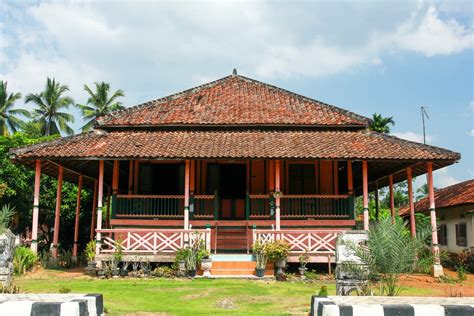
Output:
[[180, 263], [90, 255], [190, 262], [303, 259], [117, 258], [277, 252], [260, 252], [124, 269], [194, 254], [206, 264]]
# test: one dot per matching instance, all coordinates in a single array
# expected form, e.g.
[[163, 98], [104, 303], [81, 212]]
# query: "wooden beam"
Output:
[[57, 213], [76, 222], [115, 177], [34, 228], [94, 205], [277, 199], [100, 197], [410, 202], [365, 193], [107, 212], [392, 198], [187, 170], [350, 181], [377, 201], [434, 229]]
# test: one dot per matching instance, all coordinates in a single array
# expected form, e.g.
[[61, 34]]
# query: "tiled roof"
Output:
[[358, 144], [234, 100], [457, 194]]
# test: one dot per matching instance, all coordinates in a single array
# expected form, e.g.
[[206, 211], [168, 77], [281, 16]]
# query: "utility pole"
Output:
[[423, 114]]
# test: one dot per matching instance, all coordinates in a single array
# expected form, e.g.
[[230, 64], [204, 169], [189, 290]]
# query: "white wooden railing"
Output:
[[301, 241], [151, 241]]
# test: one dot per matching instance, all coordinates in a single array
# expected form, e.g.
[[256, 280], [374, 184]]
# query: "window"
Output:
[[461, 234], [302, 179], [162, 179], [443, 235]]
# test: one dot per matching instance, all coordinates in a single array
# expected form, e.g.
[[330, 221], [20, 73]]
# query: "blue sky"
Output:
[[389, 57]]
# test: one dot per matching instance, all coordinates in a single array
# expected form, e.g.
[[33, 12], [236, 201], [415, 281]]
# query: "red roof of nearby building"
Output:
[[454, 195], [234, 100], [358, 144]]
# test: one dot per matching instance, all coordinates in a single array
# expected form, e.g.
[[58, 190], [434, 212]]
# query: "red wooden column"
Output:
[[34, 226], [115, 188], [392, 198], [365, 193], [186, 193], [350, 182], [130, 177], [437, 268], [76, 223], [107, 210], [410, 201], [277, 198], [58, 212], [100, 197], [94, 205]]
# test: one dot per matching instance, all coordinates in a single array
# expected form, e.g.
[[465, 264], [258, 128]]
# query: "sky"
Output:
[[389, 57]]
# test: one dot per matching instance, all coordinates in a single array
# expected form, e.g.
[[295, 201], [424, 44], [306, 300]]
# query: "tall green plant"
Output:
[[6, 214], [390, 252], [9, 122], [23, 260], [49, 104], [99, 103]]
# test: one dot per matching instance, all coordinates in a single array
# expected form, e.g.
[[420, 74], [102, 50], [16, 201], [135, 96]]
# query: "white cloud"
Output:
[[415, 137], [471, 132], [433, 36], [442, 178]]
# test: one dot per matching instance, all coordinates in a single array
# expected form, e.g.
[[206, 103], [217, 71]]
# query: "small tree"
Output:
[[389, 252]]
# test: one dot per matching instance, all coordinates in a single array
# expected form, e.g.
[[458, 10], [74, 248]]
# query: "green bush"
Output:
[[163, 272], [278, 250], [23, 260]]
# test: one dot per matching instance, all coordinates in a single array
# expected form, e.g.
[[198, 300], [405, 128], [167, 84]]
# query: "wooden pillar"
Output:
[[76, 223], [410, 202], [130, 177], [377, 201], [34, 226], [136, 170], [100, 197], [57, 214], [187, 168], [277, 199], [392, 197], [115, 191], [107, 211], [437, 269], [365, 193], [94, 205], [350, 182]]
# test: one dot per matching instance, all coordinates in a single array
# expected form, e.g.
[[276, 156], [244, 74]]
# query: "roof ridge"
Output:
[[102, 121]]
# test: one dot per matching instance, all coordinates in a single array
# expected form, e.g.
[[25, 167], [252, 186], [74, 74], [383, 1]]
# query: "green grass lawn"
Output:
[[186, 297]]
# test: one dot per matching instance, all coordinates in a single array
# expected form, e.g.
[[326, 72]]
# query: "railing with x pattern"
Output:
[[301, 241], [151, 241]]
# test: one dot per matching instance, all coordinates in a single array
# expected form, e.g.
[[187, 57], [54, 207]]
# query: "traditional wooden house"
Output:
[[235, 160]]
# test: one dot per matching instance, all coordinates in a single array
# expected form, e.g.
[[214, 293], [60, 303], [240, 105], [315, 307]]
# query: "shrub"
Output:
[[278, 250], [10, 289], [260, 251], [64, 290], [23, 260], [312, 275], [323, 291], [461, 272], [389, 252], [163, 272], [90, 250], [65, 258]]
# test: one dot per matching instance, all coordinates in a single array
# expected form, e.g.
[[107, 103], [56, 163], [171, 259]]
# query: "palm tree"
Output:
[[49, 103], [8, 120], [99, 103], [381, 124]]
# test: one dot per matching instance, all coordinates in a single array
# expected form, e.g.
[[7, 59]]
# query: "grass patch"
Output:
[[187, 297]]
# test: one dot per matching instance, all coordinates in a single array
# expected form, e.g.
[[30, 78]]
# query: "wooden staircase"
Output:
[[236, 265], [232, 239]]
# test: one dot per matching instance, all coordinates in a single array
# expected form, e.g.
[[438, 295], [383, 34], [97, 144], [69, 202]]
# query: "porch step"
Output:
[[232, 238], [237, 267]]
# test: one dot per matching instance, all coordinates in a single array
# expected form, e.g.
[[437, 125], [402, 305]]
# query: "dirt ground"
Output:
[[422, 281]]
